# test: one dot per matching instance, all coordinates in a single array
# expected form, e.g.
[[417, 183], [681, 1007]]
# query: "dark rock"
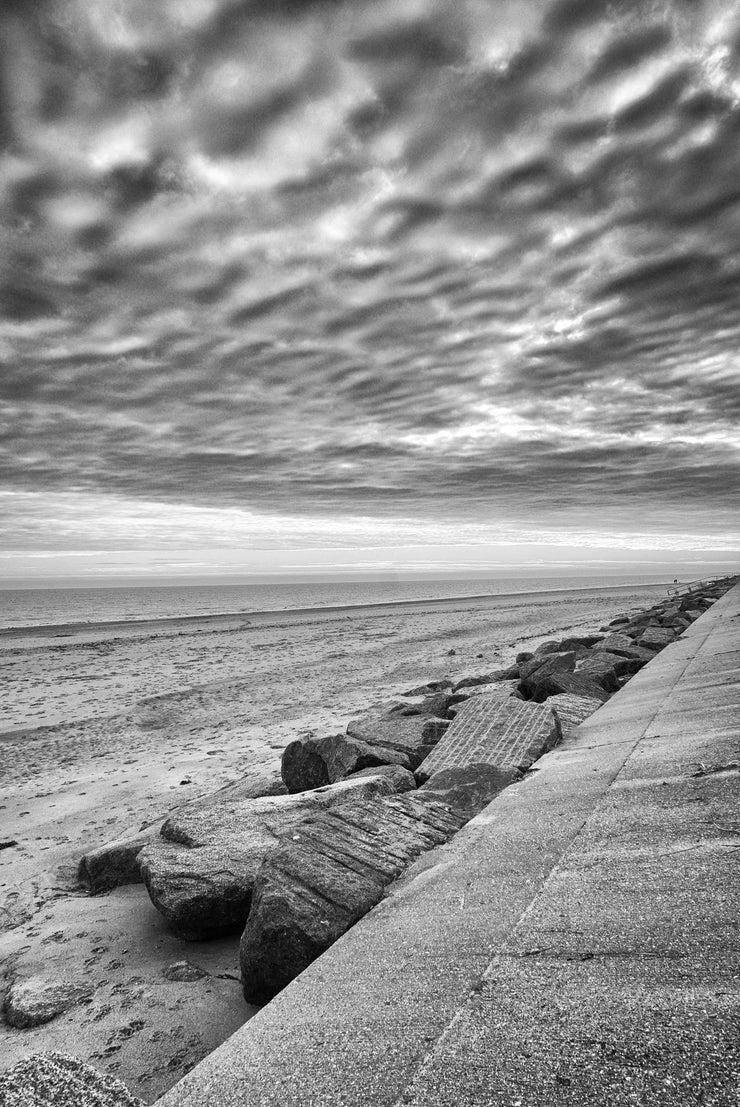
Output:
[[524, 655], [576, 641], [451, 653], [312, 763], [184, 972], [35, 1001], [325, 876], [656, 637], [470, 788], [401, 779], [433, 730], [8, 843], [200, 872], [601, 669], [623, 645], [538, 669], [547, 647], [578, 684], [619, 621], [430, 686]]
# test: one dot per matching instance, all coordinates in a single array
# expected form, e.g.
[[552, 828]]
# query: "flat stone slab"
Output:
[[507, 733], [57, 1080]]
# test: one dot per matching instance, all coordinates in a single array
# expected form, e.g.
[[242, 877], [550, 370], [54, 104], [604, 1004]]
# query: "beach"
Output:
[[107, 727]]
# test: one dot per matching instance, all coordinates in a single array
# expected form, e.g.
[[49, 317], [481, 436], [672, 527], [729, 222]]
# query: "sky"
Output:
[[409, 287]]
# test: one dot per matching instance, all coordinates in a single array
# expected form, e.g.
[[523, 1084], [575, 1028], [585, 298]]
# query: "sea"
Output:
[[29, 607]]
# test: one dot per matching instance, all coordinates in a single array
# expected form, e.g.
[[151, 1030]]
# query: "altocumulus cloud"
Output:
[[411, 263]]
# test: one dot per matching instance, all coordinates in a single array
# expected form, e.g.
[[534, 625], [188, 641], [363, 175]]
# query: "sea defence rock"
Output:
[[57, 1080], [505, 733], [578, 684], [200, 872], [572, 710], [602, 669], [469, 788], [535, 672], [501, 689], [400, 779], [328, 873], [115, 863], [37, 1000], [391, 730], [656, 637], [314, 762]]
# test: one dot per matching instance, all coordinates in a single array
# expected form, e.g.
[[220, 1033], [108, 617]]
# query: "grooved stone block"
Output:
[[328, 873], [572, 710], [508, 733]]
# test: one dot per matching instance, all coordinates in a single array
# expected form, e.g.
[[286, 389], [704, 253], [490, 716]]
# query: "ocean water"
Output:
[[30, 607]]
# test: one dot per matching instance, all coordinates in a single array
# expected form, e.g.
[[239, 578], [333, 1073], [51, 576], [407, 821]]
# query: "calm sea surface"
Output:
[[43, 606]]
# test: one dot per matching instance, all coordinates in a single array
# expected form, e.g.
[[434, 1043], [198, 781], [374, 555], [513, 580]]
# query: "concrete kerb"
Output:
[[384, 1014]]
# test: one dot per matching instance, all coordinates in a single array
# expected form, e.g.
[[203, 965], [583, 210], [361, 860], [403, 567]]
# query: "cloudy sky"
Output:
[[390, 287]]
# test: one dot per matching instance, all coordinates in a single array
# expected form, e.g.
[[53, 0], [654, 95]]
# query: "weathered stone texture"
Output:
[[508, 733], [57, 1080], [328, 873]]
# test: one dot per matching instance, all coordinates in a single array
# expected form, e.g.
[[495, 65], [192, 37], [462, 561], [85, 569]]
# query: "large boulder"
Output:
[[578, 684], [469, 788], [534, 672], [391, 730], [505, 733], [116, 863], [313, 762], [400, 779], [656, 638], [624, 646], [200, 872], [328, 873], [602, 669], [58, 1080]]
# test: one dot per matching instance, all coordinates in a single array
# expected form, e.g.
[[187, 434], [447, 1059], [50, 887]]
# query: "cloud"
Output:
[[399, 261]]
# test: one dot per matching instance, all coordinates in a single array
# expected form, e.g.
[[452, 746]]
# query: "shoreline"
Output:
[[75, 628]]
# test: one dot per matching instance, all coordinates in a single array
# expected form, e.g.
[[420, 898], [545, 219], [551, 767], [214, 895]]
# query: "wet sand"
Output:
[[107, 727]]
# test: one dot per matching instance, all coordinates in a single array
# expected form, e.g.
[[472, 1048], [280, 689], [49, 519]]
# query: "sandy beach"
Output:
[[106, 728]]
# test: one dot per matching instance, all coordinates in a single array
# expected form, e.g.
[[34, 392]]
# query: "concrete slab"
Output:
[[575, 944]]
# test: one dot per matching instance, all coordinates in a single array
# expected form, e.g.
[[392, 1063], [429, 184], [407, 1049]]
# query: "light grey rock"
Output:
[[57, 1080], [37, 1000], [328, 873], [578, 684], [115, 863], [392, 731], [572, 710], [505, 733], [200, 872]]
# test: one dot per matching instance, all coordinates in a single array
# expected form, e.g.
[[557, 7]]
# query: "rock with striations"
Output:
[[314, 762], [433, 730], [470, 788], [505, 733], [572, 711], [578, 684], [37, 1000], [58, 1080], [534, 672], [328, 873], [624, 646], [200, 872]]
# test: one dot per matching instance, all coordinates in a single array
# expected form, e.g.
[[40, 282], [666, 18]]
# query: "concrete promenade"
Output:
[[576, 943]]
